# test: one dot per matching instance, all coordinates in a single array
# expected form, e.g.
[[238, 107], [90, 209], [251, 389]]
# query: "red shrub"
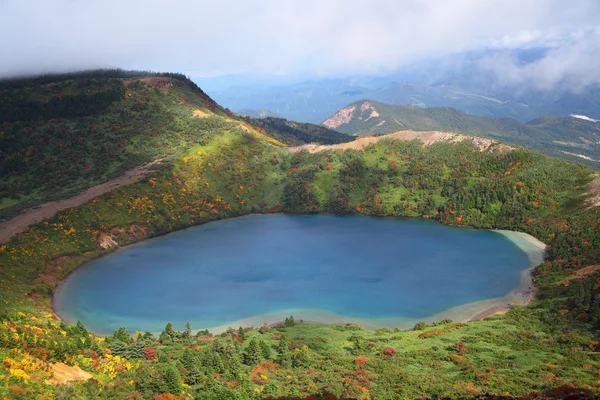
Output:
[[388, 351]]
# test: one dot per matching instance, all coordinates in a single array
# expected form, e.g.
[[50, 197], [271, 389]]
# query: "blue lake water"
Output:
[[349, 265]]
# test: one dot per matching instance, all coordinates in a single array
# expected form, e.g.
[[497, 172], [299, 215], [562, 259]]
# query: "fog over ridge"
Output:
[[308, 38]]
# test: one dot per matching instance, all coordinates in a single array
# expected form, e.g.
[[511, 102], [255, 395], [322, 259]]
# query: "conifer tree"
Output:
[[172, 380], [284, 358], [265, 350], [252, 354], [136, 350], [117, 347]]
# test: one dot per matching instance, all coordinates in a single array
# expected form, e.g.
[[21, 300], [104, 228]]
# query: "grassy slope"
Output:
[[551, 135], [228, 171]]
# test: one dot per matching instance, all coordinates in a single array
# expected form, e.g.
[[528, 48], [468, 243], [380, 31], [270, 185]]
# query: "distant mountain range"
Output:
[[316, 100], [464, 82], [572, 137]]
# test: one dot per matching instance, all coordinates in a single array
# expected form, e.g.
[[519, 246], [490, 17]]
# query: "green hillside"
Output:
[[225, 169], [565, 137], [61, 134]]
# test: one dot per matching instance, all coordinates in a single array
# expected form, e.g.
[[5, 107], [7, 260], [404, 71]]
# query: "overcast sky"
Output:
[[313, 38]]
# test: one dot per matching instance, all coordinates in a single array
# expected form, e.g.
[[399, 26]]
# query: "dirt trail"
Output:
[[427, 138], [31, 216], [580, 274]]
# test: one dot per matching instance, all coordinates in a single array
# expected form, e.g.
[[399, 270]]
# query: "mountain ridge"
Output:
[[572, 138]]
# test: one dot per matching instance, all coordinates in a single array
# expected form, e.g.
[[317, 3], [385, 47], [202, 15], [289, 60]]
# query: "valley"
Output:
[[215, 166]]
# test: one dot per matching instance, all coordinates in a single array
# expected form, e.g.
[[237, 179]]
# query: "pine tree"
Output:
[[265, 350], [252, 355], [234, 365], [117, 347], [81, 328], [284, 357], [122, 334], [137, 349], [162, 358], [188, 330], [172, 380], [193, 376], [168, 334], [188, 360], [241, 333]]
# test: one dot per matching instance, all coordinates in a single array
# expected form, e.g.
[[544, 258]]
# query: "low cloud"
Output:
[[571, 65], [313, 38]]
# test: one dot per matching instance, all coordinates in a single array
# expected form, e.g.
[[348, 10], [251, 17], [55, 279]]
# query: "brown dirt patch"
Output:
[[594, 192], [200, 114], [497, 310], [49, 275], [164, 84], [580, 274], [21, 222], [63, 374], [132, 233]]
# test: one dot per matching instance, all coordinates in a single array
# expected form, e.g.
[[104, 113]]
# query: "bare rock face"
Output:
[[106, 241], [340, 118]]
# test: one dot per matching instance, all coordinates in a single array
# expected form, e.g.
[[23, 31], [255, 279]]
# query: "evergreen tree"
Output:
[[162, 358], [234, 365], [172, 380], [265, 350], [188, 360], [117, 347], [168, 334], [284, 358], [193, 375], [242, 333], [122, 334], [188, 330], [136, 350], [252, 355], [81, 328]]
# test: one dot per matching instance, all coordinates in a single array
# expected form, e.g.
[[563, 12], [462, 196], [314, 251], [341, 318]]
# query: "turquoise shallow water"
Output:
[[350, 265]]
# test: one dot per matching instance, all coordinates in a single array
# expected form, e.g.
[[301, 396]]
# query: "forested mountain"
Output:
[[216, 166], [569, 137]]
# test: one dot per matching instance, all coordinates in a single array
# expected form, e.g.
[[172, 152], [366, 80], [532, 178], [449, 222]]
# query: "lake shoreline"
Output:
[[521, 295]]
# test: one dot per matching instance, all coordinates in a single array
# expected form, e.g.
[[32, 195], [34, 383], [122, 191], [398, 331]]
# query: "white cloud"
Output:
[[313, 37], [571, 65]]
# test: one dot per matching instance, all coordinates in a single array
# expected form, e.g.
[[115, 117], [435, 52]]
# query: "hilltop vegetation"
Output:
[[60, 134], [224, 171], [566, 137]]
